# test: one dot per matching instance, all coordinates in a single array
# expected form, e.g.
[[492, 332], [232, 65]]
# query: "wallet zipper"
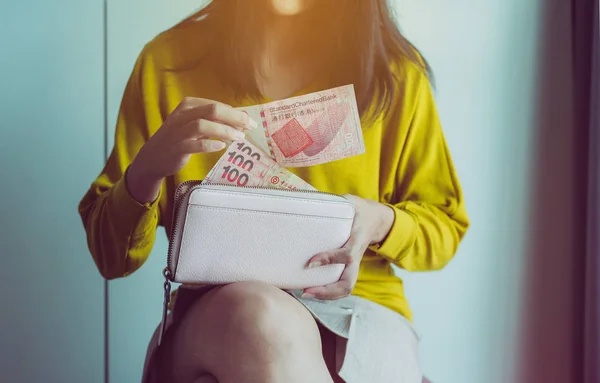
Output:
[[167, 272], [179, 195]]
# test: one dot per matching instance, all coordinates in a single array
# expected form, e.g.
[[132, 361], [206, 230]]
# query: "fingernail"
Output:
[[237, 135], [217, 145], [307, 296], [253, 124], [314, 264]]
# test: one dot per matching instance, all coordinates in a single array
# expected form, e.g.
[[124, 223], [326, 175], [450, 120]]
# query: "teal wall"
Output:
[[51, 142], [489, 59]]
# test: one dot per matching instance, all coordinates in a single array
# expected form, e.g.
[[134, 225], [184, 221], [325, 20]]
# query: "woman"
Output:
[[178, 108]]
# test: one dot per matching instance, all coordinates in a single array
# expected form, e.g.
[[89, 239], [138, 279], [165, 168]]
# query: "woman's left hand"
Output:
[[372, 223]]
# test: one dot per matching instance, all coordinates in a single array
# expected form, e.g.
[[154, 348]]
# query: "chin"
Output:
[[289, 7]]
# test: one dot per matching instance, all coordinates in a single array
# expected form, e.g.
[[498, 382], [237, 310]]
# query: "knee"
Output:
[[258, 312]]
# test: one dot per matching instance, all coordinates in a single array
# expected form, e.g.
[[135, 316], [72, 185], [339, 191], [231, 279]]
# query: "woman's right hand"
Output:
[[195, 126]]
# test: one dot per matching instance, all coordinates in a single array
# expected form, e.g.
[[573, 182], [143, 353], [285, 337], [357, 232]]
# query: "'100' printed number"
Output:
[[232, 174]]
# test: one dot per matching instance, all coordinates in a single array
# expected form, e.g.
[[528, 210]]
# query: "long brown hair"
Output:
[[363, 44]]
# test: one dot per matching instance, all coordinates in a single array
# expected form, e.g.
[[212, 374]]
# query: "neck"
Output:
[[294, 40], [286, 63], [282, 34]]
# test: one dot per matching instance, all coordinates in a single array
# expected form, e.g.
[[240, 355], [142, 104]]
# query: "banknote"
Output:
[[311, 129], [243, 164], [257, 137]]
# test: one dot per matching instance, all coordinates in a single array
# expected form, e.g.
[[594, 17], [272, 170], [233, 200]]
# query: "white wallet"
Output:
[[223, 234]]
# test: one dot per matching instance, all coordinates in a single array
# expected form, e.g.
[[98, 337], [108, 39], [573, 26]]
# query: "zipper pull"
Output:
[[167, 299]]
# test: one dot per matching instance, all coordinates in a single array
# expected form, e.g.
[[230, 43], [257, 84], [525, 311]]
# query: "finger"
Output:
[[201, 146], [205, 128], [336, 290], [225, 114], [342, 288], [338, 256], [214, 111], [194, 102]]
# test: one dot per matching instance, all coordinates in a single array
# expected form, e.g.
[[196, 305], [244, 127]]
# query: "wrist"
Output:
[[142, 186], [385, 222]]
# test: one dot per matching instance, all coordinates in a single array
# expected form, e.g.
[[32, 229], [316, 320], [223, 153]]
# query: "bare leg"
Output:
[[248, 332]]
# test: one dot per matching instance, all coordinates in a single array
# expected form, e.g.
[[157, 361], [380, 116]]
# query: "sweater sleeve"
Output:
[[430, 215], [120, 230]]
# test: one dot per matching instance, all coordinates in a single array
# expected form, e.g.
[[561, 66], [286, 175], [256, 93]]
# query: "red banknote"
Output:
[[312, 129]]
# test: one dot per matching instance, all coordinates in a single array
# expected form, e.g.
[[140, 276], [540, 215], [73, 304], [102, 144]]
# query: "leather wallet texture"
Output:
[[226, 234]]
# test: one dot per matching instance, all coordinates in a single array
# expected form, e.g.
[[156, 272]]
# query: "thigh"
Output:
[[165, 362], [203, 323]]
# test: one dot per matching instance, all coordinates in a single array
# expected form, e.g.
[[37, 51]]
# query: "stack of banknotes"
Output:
[[301, 131]]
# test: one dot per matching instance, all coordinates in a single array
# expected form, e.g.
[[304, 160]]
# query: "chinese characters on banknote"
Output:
[[301, 131]]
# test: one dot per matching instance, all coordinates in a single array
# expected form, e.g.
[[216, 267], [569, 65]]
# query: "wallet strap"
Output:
[[166, 301]]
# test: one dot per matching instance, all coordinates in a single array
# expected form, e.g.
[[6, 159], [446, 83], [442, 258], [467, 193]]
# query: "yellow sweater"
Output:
[[406, 165]]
